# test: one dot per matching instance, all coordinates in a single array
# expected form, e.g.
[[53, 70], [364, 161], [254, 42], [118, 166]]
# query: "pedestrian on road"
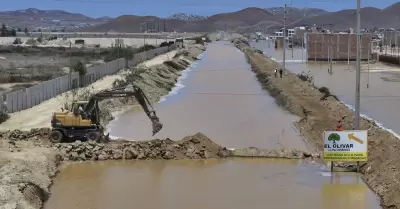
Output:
[[276, 72], [281, 72]]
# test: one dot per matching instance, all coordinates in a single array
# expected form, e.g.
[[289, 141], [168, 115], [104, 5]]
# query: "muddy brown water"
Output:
[[379, 101], [222, 99]]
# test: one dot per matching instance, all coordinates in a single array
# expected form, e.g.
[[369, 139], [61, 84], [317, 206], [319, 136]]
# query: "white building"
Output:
[[278, 34], [290, 32]]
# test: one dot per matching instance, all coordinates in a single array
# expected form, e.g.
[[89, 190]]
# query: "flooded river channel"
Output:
[[380, 100], [222, 99]]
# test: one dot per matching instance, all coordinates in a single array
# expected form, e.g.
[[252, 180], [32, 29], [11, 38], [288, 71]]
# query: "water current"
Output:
[[220, 97]]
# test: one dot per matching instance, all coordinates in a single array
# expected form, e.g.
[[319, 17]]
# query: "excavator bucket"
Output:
[[157, 126]]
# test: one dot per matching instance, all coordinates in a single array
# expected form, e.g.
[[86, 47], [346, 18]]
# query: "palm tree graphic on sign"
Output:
[[334, 137]]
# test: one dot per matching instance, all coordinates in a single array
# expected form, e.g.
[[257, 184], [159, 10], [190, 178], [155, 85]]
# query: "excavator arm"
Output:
[[137, 93]]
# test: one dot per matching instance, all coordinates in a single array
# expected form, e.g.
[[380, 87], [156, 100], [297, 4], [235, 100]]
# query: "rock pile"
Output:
[[33, 134], [197, 146]]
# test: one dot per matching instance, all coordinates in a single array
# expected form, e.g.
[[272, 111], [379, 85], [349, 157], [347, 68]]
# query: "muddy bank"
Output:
[[28, 160], [320, 111], [155, 80]]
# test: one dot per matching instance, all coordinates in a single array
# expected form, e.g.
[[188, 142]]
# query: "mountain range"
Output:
[[32, 18], [246, 20]]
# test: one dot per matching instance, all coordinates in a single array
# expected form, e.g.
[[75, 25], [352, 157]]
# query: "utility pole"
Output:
[[292, 45], [331, 57], [284, 39], [302, 49], [369, 48], [70, 66], [358, 70], [348, 51]]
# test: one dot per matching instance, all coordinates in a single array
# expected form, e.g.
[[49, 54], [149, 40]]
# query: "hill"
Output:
[[32, 18], [345, 19], [257, 19], [132, 23], [294, 13]]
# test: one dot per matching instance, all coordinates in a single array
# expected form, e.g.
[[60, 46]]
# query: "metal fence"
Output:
[[29, 97]]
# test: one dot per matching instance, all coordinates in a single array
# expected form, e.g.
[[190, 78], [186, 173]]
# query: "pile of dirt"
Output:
[[156, 81], [197, 146], [25, 174], [320, 113], [32, 135]]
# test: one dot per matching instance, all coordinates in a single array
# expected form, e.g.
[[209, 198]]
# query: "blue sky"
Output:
[[164, 8]]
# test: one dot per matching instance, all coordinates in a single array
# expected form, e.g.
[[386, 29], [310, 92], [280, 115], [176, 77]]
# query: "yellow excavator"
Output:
[[83, 120]]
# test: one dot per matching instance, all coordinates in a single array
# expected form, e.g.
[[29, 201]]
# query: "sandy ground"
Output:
[[381, 172], [40, 115], [160, 59], [25, 174]]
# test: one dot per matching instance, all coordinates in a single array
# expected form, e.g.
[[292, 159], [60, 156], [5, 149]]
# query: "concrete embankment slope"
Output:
[[320, 113]]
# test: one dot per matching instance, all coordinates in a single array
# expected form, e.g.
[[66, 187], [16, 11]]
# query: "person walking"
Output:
[[281, 72], [276, 72]]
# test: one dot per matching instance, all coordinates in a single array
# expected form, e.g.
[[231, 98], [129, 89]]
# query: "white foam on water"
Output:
[[179, 84], [287, 60], [326, 174], [379, 124], [2, 58]]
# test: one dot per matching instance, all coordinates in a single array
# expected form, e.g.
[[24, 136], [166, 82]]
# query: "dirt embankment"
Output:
[[28, 160], [154, 78], [320, 113]]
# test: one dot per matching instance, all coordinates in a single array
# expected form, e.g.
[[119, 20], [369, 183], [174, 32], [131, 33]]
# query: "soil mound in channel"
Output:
[[197, 146]]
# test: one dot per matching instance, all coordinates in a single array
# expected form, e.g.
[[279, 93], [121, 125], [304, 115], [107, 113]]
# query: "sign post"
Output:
[[345, 146]]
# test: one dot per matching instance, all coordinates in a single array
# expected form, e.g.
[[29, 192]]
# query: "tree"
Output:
[[3, 30], [19, 30], [63, 30], [39, 30], [79, 67], [26, 31], [334, 137], [14, 32]]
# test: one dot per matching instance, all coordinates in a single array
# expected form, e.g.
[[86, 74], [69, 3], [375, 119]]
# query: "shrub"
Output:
[[118, 52], [79, 67], [144, 48], [3, 117], [306, 77], [164, 44]]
